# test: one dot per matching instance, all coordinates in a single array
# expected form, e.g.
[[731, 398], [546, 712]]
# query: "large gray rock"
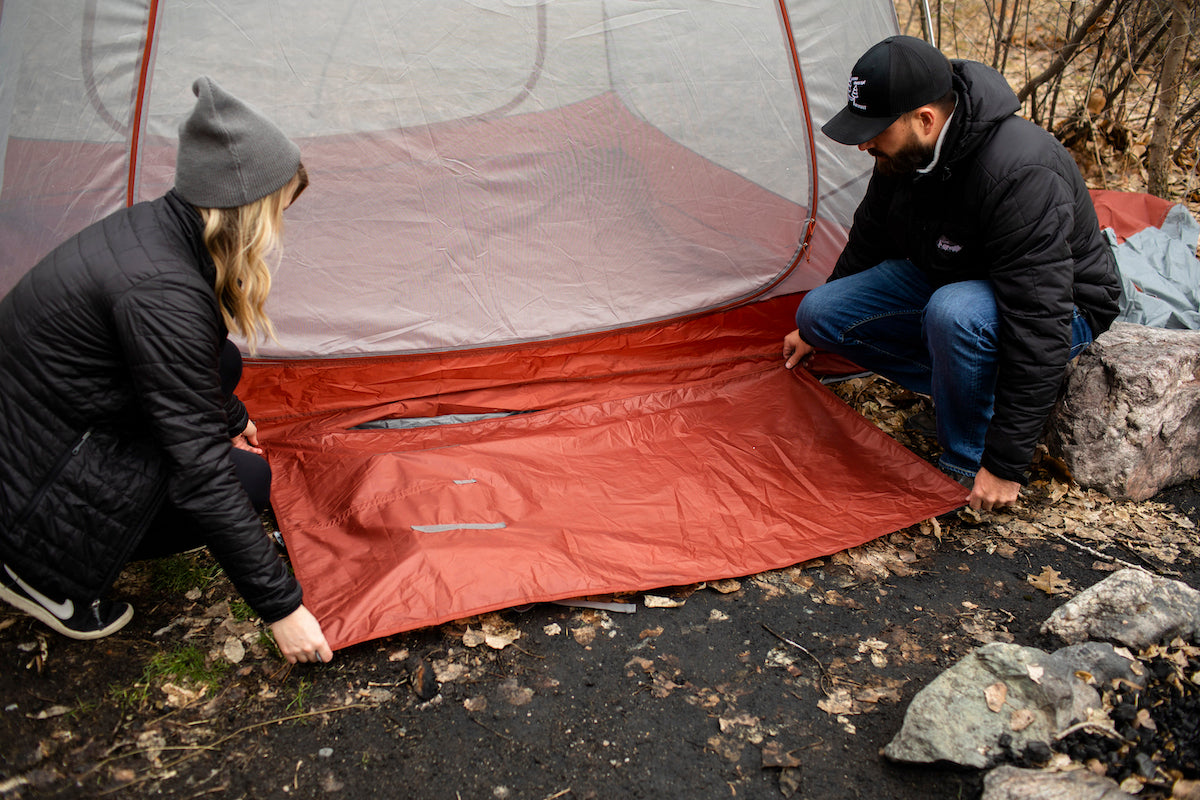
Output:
[[1035, 695], [1129, 422], [1132, 607], [1011, 783]]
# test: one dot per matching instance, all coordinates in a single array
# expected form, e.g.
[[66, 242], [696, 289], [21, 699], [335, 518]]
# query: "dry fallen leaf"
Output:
[[151, 743], [179, 696], [838, 702], [1186, 790], [743, 719], [1036, 672], [494, 631], [877, 694], [1021, 719], [995, 695], [514, 694], [50, 713], [727, 586], [730, 751], [1049, 581], [644, 664], [448, 671], [773, 756], [834, 598], [658, 601], [1133, 784], [234, 650]]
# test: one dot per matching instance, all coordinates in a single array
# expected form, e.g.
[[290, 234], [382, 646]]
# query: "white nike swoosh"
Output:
[[64, 610]]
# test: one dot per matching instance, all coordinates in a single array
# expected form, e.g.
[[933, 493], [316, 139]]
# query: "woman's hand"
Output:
[[248, 439], [300, 638]]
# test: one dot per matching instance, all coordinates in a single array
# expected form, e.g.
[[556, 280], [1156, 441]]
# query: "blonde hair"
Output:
[[240, 240]]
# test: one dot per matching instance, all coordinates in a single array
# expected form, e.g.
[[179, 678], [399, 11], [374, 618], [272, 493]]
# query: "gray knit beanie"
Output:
[[229, 153]]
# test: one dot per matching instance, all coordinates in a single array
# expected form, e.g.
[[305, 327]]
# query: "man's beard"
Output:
[[911, 157]]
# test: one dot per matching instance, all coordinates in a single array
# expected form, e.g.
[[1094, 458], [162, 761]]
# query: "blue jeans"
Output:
[[940, 342]]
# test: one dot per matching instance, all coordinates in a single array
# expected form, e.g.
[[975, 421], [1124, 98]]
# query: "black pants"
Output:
[[173, 531]]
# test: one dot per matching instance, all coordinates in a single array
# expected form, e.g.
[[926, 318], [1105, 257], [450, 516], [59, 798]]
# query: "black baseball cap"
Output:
[[892, 78]]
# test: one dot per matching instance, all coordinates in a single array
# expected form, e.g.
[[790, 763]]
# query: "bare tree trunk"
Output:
[[1158, 152], [1068, 51]]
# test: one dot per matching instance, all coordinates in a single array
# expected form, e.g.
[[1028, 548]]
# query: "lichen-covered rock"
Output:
[[1129, 421], [999, 690], [1132, 607]]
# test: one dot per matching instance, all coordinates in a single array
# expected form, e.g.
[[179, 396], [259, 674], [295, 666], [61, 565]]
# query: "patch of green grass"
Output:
[[301, 698], [185, 665], [268, 642], [84, 708], [179, 573], [241, 610]]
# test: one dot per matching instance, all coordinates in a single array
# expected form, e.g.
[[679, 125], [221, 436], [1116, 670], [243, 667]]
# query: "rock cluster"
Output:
[[1007, 703]]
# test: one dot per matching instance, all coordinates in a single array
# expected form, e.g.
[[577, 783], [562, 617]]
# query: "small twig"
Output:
[[492, 730], [194, 750], [557, 795], [1158, 569], [211, 790], [824, 673], [799, 647], [1097, 553], [1094, 727], [526, 652]]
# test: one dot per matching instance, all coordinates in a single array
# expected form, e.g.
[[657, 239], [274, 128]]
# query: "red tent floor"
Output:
[[695, 475]]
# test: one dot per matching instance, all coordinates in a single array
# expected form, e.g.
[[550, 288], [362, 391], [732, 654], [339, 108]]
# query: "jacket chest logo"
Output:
[[947, 246]]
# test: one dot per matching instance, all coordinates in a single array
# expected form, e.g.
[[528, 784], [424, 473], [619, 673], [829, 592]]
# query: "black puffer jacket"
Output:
[[1005, 203], [110, 402]]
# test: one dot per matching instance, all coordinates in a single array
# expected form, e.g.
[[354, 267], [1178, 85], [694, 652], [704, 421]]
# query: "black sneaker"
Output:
[[922, 423], [77, 620]]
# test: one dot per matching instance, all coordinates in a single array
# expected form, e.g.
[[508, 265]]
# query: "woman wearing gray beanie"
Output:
[[120, 435]]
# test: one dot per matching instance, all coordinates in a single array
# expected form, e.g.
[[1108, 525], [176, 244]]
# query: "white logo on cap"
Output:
[[855, 85]]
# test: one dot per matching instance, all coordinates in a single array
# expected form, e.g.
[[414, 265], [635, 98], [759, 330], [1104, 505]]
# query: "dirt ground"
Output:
[[783, 684]]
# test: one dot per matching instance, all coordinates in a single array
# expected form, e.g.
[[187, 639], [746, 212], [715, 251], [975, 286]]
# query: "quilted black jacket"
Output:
[[1005, 203], [110, 403]]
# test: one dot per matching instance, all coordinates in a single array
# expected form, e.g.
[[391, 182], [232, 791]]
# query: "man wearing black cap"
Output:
[[975, 268]]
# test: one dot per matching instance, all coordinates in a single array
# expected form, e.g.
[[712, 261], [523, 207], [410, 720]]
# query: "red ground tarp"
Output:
[[654, 457]]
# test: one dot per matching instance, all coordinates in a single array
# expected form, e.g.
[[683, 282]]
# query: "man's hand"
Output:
[[248, 439], [795, 349], [991, 492]]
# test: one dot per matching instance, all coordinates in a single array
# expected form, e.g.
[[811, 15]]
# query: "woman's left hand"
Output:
[[300, 638], [248, 439]]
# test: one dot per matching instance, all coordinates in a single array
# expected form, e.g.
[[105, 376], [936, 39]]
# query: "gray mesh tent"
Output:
[[572, 228], [467, 153]]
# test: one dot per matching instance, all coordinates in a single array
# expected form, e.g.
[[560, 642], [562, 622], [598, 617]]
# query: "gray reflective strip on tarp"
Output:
[[426, 422]]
